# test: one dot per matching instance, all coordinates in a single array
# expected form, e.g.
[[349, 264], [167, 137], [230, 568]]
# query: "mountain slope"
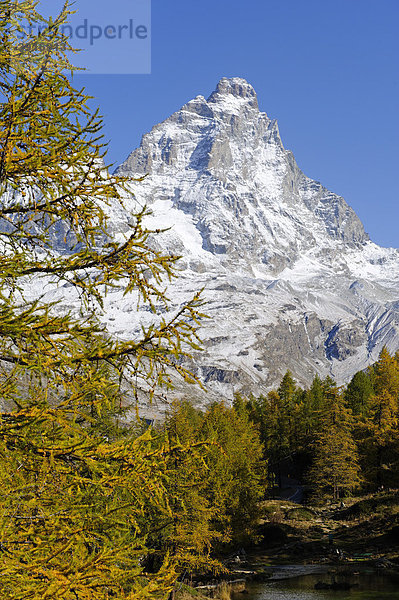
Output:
[[223, 162], [291, 279]]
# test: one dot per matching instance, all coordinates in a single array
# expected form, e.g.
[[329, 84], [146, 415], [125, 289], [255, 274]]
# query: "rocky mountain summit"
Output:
[[290, 277], [222, 161]]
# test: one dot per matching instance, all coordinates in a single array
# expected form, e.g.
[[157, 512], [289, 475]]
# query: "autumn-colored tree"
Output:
[[189, 532], [236, 470], [335, 469], [214, 490], [385, 374], [380, 433], [77, 496]]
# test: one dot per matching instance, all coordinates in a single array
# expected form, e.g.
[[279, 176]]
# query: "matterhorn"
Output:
[[291, 280]]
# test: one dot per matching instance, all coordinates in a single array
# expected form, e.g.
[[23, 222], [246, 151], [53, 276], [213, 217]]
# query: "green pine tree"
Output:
[[358, 393]]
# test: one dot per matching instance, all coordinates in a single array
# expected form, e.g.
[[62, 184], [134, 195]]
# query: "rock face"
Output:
[[290, 277], [222, 162]]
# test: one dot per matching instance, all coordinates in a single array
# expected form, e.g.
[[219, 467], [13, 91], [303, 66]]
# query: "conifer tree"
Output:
[[289, 396], [236, 470], [286, 389], [358, 392], [380, 436], [385, 374], [335, 469], [78, 498], [316, 393], [190, 533], [313, 407], [275, 437]]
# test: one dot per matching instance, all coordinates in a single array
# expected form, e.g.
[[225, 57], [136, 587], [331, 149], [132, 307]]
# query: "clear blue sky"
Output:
[[328, 70]]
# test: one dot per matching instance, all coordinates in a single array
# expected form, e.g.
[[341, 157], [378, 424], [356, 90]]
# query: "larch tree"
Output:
[[191, 533], [335, 469], [381, 433], [287, 392], [236, 470], [77, 498], [385, 374]]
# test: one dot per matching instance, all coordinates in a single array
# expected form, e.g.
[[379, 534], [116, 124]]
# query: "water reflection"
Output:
[[365, 587]]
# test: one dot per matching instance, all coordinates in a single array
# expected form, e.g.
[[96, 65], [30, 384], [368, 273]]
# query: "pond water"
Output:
[[366, 586]]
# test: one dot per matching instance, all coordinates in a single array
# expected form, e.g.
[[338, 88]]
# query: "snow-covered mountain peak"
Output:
[[236, 91], [290, 276], [222, 162], [236, 86]]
